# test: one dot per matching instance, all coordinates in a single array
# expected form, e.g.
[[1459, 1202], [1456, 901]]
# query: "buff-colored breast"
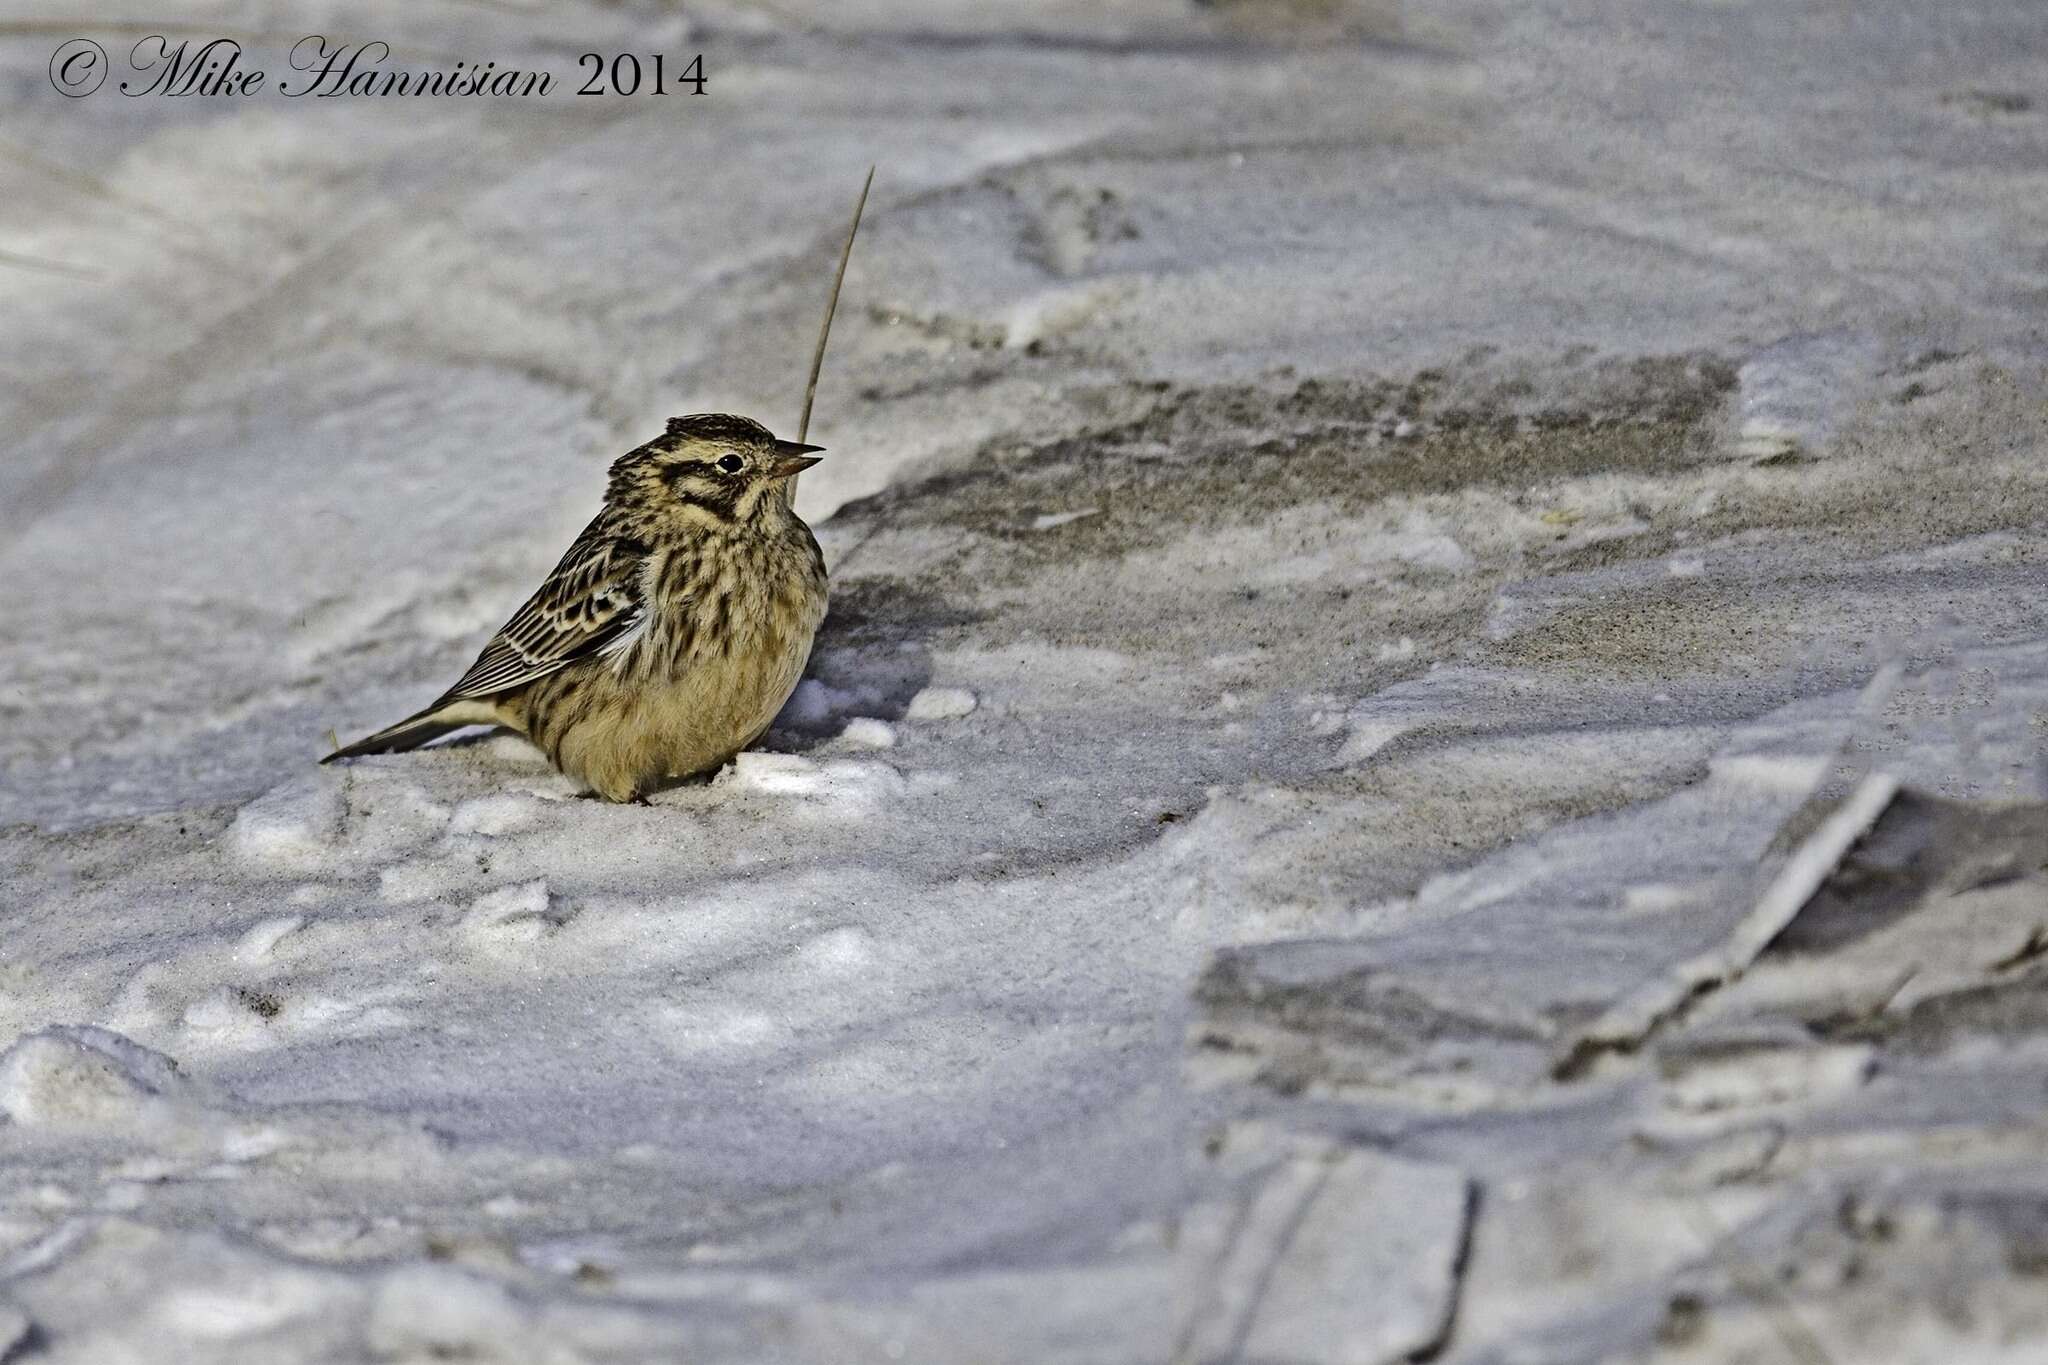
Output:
[[695, 687]]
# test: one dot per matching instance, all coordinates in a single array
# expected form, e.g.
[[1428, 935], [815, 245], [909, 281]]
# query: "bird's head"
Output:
[[711, 464]]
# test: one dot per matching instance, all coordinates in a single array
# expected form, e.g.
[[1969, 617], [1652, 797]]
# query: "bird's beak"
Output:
[[791, 458]]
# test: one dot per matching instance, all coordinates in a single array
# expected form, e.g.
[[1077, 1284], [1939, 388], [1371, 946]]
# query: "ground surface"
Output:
[[1381, 555]]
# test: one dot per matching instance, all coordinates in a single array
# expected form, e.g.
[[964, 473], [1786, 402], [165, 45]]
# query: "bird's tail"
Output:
[[422, 727]]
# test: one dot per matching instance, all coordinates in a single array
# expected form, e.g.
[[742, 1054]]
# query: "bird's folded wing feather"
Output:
[[590, 601]]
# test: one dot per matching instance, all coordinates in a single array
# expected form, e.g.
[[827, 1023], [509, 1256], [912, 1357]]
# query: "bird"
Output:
[[673, 630]]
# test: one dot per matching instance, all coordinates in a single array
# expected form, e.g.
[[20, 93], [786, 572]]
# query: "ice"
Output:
[[1327, 1254], [1625, 1023]]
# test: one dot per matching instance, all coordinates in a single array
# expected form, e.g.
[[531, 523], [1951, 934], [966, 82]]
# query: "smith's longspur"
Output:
[[671, 632]]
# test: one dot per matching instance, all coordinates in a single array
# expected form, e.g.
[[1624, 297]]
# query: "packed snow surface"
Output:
[[1428, 744]]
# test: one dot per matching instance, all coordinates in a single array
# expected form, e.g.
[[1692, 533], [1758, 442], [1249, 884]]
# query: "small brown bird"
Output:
[[671, 632]]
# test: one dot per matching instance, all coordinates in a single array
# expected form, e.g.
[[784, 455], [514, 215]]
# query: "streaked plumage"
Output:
[[672, 631]]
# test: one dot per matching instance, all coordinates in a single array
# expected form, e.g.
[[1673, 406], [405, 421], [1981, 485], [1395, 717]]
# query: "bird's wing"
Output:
[[590, 601]]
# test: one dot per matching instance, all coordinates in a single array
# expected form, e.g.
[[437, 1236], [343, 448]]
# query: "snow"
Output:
[[1429, 743], [940, 703], [82, 1078]]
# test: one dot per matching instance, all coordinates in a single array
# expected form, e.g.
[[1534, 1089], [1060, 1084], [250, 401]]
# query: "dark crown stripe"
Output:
[[717, 426]]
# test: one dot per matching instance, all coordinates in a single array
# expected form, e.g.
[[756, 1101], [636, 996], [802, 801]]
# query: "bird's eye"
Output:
[[732, 464]]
